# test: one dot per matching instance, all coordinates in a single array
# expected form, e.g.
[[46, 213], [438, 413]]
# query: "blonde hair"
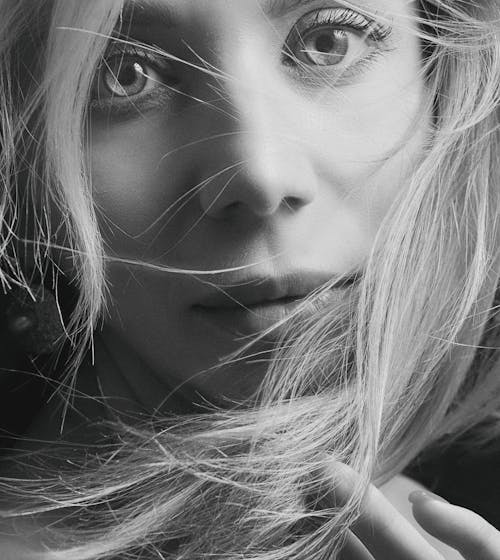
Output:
[[403, 375]]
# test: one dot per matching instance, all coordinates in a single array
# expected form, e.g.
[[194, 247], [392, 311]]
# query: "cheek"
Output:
[[124, 168], [374, 163], [368, 138], [366, 119]]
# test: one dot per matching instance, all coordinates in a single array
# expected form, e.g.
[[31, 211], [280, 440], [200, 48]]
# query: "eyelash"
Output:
[[121, 106], [345, 17], [339, 19]]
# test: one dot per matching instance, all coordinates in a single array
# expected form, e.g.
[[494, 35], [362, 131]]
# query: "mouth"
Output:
[[261, 290], [257, 305]]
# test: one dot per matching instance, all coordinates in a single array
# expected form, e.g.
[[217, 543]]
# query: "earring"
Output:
[[33, 319]]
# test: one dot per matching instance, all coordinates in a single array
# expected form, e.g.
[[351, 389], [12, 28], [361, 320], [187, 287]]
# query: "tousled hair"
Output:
[[404, 373]]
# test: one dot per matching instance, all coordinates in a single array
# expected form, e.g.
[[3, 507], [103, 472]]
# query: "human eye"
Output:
[[335, 40], [130, 79]]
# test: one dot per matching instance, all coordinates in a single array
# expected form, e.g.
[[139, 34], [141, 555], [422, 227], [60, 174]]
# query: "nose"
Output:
[[256, 161], [255, 175]]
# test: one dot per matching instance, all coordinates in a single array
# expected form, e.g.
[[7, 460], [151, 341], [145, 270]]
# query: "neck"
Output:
[[113, 385]]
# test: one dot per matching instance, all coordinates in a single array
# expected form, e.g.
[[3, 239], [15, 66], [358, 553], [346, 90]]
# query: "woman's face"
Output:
[[269, 144]]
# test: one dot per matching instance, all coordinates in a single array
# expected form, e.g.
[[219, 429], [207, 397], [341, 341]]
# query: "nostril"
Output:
[[294, 202]]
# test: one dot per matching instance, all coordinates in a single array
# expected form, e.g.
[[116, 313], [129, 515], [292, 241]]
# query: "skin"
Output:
[[311, 171], [384, 531], [318, 168]]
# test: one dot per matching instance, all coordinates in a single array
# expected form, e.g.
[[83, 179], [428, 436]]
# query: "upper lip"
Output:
[[258, 290]]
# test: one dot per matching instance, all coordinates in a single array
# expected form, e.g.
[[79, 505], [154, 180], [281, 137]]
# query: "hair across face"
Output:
[[192, 150], [226, 145], [244, 143], [265, 143]]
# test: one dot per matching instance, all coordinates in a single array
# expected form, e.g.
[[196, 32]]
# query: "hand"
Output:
[[383, 533], [458, 527]]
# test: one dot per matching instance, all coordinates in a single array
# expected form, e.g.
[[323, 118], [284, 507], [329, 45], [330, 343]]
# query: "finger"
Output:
[[354, 550], [382, 530], [456, 526], [387, 534]]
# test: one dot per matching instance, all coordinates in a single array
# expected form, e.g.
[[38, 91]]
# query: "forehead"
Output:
[[169, 12]]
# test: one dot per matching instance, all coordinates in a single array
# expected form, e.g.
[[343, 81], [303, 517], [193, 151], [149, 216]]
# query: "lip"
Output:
[[262, 290], [260, 304]]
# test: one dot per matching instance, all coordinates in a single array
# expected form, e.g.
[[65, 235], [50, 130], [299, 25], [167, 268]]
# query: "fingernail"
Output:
[[423, 496]]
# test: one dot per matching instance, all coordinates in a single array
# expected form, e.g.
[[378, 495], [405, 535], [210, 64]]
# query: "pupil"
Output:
[[325, 43], [128, 74]]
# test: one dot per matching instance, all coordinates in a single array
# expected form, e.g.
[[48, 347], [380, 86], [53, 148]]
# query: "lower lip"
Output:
[[269, 319]]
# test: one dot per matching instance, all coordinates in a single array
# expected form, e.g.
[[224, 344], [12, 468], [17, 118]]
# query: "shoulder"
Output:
[[397, 491]]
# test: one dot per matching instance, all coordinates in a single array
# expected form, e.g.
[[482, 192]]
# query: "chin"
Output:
[[226, 385]]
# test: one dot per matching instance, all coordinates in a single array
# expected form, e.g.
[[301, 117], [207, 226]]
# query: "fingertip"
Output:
[[433, 513], [458, 527], [417, 496], [429, 513], [427, 509], [424, 496]]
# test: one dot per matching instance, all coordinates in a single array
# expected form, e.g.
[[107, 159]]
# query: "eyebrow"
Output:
[[147, 12], [279, 8], [157, 12]]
